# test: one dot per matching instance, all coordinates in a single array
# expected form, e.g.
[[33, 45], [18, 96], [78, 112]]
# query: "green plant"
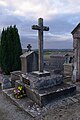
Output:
[[10, 50]]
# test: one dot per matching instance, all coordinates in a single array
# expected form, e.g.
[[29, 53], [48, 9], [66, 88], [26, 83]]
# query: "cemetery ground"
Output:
[[67, 108], [63, 109]]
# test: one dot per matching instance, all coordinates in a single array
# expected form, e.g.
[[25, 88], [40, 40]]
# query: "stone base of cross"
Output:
[[41, 74]]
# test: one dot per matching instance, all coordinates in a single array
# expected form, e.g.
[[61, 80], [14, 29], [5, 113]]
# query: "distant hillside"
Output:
[[50, 50]]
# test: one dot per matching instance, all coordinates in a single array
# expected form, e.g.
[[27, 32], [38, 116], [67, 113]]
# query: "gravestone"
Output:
[[15, 75], [76, 46], [68, 69], [29, 61], [40, 85], [6, 84], [68, 65]]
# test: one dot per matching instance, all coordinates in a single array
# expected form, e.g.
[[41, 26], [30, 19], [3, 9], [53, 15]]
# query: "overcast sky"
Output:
[[60, 15]]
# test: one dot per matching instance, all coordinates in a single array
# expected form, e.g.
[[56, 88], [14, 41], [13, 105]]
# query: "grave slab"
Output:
[[44, 96]]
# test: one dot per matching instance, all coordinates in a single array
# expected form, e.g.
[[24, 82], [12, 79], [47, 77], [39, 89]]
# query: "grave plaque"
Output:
[[25, 80]]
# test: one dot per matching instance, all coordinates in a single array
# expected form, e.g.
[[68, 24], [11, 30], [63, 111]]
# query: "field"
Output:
[[48, 52]]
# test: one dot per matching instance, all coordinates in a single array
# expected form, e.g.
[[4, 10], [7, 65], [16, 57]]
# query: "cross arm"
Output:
[[45, 28], [35, 27]]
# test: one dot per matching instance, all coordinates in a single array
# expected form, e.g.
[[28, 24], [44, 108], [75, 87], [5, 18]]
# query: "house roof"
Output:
[[78, 26], [24, 55]]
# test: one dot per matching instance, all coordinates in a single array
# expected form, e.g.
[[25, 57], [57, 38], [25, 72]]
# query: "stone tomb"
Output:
[[43, 90], [76, 45], [29, 62], [40, 85]]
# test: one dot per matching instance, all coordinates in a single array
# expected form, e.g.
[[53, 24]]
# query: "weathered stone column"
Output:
[[40, 29], [40, 44], [76, 46], [78, 60], [75, 50]]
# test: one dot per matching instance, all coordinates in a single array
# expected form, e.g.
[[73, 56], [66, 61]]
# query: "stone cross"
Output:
[[29, 47], [40, 29]]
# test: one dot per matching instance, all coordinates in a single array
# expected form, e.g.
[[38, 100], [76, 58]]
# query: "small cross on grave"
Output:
[[29, 47], [40, 29]]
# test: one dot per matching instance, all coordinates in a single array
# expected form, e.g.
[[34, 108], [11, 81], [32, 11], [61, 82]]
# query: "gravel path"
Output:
[[9, 111], [71, 112]]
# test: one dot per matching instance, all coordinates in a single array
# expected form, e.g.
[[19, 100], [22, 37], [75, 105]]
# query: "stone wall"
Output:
[[54, 63]]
